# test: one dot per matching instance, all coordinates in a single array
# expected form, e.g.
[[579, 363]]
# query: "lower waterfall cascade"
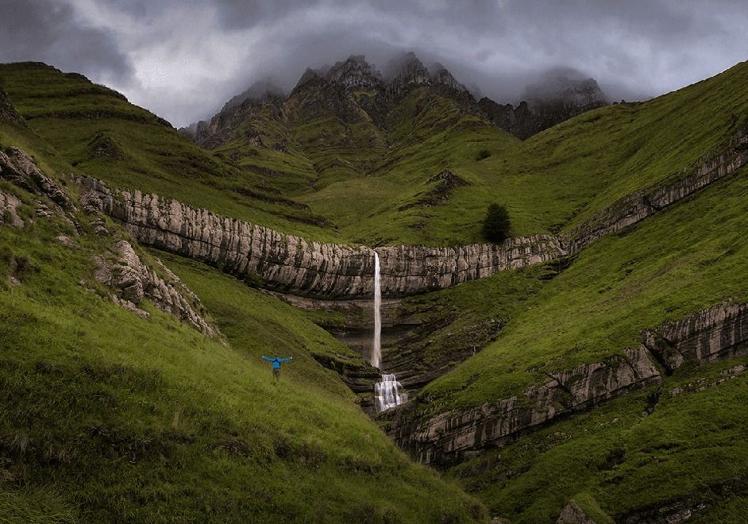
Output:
[[388, 392]]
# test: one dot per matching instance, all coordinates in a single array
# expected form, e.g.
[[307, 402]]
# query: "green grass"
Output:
[[110, 417], [673, 264], [72, 115], [361, 179], [616, 459]]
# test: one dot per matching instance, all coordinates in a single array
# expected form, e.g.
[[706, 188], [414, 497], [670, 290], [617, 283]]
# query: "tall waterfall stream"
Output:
[[388, 392]]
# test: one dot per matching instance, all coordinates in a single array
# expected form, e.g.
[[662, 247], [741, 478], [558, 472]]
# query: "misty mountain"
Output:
[[557, 95]]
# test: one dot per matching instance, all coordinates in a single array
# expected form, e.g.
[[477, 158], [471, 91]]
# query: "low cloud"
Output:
[[51, 31], [184, 58]]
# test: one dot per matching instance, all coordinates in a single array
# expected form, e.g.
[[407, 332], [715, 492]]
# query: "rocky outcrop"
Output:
[[406, 72], [561, 94], [355, 73], [291, 264], [9, 205], [642, 204], [442, 186], [134, 281], [447, 437], [21, 170], [715, 333], [8, 112], [573, 514]]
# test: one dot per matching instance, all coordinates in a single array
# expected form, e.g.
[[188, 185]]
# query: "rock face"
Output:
[[8, 112], [717, 332], [9, 205], [133, 281], [406, 72], [560, 94], [353, 91], [573, 514], [447, 437], [355, 73], [442, 186], [290, 264], [642, 204], [21, 170]]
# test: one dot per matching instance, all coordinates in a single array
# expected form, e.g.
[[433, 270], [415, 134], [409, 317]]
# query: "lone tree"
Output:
[[496, 225]]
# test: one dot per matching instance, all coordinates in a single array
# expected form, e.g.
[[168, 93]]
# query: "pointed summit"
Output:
[[407, 71], [441, 76], [260, 91], [567, 86], [309, 78], [354, 72]]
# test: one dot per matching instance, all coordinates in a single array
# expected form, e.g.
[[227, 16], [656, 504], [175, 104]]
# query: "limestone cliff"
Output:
[[20, 169], [9, 205], [717, 332], [291, 264], [446, 437], [642, 204]]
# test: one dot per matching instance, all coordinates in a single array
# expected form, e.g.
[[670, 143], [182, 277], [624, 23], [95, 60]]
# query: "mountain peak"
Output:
[[354, 72], [310, 76], [441, 76], [259, 91], [406, 71], [565, 85]]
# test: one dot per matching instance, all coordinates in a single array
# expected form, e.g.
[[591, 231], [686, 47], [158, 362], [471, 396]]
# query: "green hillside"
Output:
[[673, 264], [619, 461], [114, 417], [99, 133]]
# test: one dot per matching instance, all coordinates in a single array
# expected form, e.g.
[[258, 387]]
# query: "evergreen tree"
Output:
[[496, 225]]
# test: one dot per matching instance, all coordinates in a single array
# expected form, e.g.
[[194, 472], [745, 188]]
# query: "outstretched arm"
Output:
[[267, 358], [286, 359]]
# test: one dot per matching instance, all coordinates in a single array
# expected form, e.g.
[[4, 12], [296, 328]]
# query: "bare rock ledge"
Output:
[[291, 264], [718, 332]]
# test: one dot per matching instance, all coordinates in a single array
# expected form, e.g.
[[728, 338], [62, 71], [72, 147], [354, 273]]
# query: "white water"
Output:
[[388, 392], [376, 347]]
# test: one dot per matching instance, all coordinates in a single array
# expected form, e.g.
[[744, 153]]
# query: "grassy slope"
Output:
[[673, 264], [107, 416], [690, 450], [554, 180], [101, 134], [688, 257], [427, 134], [366, 182]]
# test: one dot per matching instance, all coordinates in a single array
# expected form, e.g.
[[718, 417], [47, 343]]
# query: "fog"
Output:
[[183, 59]]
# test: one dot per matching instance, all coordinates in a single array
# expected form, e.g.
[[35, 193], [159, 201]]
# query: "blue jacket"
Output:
[[276, 361]]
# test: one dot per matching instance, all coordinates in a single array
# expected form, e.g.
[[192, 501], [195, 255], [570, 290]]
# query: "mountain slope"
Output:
[[97, 131], [608, 380], [116, 411]]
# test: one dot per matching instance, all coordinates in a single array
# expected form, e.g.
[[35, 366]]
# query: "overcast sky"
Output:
[[182, 59]]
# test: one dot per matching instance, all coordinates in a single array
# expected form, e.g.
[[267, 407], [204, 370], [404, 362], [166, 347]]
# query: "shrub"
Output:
[[483, 153], [496, 225]]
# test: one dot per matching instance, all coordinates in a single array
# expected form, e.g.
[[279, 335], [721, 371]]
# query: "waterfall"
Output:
[[376, 347], [388, 392]]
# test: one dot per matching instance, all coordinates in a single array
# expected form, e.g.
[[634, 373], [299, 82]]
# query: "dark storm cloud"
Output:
[[49, 31], [189, 56]]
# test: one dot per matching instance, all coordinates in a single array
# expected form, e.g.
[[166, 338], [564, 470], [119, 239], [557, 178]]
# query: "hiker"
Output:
[[276, 362]]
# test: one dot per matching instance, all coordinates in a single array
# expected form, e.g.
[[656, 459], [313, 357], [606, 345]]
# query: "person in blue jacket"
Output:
[[276, 362]]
